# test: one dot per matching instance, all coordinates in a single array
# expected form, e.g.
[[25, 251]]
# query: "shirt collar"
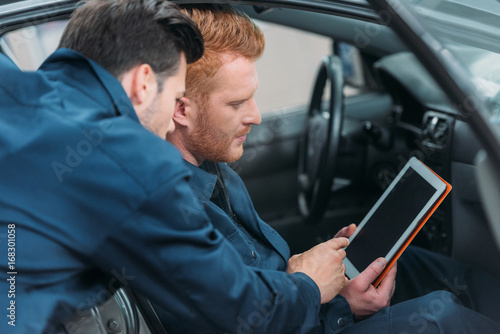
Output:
[[201, 181], [113, 87]]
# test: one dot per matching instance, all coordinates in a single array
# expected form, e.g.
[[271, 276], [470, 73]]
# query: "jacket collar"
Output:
[[113, 88], [201, 181], [203, 184]]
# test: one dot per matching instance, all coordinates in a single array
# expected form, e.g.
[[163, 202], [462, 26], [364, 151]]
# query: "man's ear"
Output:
[[184, 111], [140, 85]]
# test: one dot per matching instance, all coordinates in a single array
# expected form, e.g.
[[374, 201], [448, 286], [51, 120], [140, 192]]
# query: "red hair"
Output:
[[226, 33]]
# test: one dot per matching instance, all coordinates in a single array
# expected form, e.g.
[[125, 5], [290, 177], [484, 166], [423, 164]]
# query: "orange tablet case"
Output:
[[415, 231]]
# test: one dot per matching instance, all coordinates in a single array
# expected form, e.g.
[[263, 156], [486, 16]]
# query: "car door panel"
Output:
[[472, 238]]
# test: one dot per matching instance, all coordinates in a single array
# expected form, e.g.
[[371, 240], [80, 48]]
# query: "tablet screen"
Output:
[[390, 221]]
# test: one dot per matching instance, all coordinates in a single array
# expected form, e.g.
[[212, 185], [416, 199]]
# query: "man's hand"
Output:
[[363, 298], [323, 264]]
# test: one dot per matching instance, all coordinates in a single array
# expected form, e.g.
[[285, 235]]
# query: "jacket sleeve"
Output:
[[336, 315], [168, 251]]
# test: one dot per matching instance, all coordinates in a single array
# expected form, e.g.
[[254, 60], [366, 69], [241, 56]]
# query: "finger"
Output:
[[395, 269], [342, 232], [367, 276], [346, 231], [342, 253], [337, 243], [388, 284]]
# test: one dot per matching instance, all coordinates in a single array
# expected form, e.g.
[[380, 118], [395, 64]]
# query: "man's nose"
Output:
[[253, 117]]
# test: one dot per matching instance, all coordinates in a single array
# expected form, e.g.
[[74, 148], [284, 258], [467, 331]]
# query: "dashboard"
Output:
[[423, 123]]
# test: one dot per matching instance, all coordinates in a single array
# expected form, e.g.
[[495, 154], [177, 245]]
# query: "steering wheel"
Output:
[[319, 145]]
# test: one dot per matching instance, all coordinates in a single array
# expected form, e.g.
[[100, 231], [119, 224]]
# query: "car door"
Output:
[[463, 61]]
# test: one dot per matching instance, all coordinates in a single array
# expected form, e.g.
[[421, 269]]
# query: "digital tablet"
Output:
[[395, 219]]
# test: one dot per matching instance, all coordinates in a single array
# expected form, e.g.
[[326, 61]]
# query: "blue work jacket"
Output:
[[89, 199], [258, 244]]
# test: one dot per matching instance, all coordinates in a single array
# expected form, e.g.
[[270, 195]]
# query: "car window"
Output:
[[288, 67], [29, 47], [354, 75], [468, 31]]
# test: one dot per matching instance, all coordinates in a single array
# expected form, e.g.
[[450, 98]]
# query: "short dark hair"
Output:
[[121, 34]]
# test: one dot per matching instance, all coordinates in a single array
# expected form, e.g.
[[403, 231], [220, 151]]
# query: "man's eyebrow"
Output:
[[237, 101], [241, 100]]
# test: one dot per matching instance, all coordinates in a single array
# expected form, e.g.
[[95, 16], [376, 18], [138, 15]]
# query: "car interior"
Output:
[[400, 112], [370, 106]]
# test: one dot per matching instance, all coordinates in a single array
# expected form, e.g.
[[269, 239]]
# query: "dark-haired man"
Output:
[[75, 179], [91, 200]]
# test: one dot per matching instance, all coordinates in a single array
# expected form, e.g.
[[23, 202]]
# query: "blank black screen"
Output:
[[390, 221]]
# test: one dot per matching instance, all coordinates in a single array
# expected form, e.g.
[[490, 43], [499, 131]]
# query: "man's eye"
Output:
[[237, 105]]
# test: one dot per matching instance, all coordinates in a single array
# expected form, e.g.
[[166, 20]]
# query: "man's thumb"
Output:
[[374, 270]]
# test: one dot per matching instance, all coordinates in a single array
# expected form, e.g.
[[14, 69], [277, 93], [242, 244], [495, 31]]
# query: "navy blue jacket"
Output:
[[258, 244], [90, 199]]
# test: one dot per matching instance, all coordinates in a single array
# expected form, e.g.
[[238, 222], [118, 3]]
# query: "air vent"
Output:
[[436, 130]]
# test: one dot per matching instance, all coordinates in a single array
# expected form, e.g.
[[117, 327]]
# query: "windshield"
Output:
[[470, 30]]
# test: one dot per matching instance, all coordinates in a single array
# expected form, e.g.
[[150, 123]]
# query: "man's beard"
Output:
[[212, 142]]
